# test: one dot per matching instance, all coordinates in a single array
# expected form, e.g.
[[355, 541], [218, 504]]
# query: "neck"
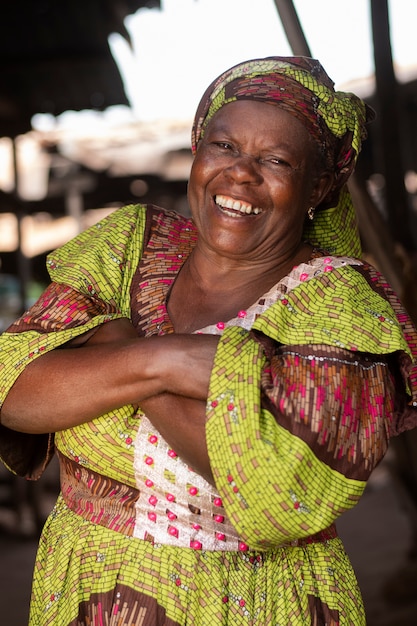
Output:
[[218, 274], [210, 289]]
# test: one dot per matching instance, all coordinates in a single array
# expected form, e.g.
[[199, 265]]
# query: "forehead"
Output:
[[250, 118]]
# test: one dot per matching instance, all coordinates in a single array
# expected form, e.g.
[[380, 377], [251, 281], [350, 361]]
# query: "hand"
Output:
[[185, 361]]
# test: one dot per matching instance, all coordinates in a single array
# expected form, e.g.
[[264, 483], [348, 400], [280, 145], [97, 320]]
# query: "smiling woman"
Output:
[[258, 178], [217, 389]]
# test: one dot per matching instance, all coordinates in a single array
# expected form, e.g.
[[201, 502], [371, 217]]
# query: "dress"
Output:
[[300, 410]]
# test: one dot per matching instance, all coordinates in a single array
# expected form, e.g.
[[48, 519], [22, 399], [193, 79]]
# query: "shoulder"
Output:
[[105, 256], [119, 225], [335, 301], [120, 230]]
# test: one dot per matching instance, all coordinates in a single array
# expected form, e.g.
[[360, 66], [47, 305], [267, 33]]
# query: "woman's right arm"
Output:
[[69, 386]]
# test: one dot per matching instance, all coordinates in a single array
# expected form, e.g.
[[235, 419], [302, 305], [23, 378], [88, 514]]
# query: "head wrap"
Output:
[[336, 121]]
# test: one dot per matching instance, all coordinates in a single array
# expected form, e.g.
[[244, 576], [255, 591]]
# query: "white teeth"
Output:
[[236, 205]]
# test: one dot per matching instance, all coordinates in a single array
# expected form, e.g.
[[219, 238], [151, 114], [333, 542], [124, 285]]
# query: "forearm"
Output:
[[181, 421], [67, 387]]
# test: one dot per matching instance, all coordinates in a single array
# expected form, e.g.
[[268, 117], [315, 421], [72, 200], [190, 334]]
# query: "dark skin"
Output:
[[168, 410], [252, 182]]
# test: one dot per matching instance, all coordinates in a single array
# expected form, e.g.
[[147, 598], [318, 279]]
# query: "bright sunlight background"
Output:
[[179, 50]]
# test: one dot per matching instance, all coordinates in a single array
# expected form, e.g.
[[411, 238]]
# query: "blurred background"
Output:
[[96, 104]]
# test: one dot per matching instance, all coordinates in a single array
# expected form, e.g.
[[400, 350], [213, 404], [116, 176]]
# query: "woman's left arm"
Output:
[[293, 437]]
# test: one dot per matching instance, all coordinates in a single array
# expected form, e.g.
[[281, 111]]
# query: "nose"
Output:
[[244, 169]]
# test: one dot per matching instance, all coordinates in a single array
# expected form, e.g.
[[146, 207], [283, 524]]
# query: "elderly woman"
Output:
[[219, 388]]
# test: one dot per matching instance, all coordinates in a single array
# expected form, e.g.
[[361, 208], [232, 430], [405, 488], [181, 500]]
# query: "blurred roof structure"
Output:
[[55, 57]]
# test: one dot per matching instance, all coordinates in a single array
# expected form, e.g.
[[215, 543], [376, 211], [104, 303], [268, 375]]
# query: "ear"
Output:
[[321, 188]]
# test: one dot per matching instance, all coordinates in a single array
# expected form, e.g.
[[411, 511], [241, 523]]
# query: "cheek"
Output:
[[199, 176], [192, 189]]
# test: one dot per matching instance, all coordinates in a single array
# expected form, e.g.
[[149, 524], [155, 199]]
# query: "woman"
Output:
[[221, 387]]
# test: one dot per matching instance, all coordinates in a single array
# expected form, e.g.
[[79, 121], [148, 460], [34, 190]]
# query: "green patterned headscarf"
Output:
[[336, 120]]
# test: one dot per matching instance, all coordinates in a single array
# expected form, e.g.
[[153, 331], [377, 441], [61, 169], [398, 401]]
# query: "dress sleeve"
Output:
[[91, 285], [293, 433], [91, 277]]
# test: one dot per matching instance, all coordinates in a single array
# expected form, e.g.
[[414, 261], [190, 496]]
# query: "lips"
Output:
[[236, 208]]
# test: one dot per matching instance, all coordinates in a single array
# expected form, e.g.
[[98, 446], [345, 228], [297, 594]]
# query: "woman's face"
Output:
[[252, 182]]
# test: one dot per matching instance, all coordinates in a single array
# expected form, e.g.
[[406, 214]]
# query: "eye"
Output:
[[274, 161], [223, 145]]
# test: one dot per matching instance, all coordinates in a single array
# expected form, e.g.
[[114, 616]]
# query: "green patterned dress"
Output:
[[307, 387]]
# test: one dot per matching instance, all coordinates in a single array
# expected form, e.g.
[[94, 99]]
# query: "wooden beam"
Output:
[[293, 28], [388, 123]]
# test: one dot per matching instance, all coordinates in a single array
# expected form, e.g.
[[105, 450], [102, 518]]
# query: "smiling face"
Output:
[[253, 179]]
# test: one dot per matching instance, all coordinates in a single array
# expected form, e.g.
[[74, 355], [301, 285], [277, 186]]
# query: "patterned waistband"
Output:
[[97, 498], [106, 502]]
